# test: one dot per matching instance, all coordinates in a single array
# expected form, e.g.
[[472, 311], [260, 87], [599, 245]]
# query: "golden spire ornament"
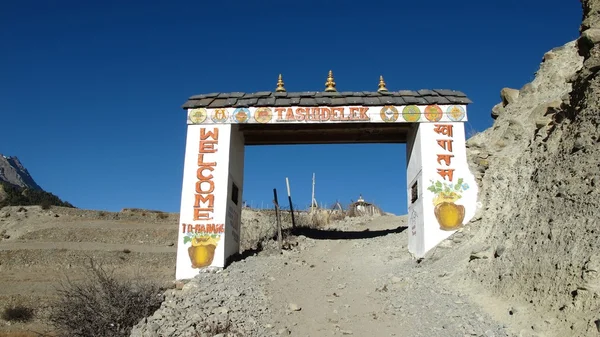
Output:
[[280, 87], [330, 84], [381, 85]]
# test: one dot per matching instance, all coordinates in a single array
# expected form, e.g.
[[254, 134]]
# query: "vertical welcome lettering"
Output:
[[204, 199]]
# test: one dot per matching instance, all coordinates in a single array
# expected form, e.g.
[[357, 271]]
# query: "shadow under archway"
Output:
[[318, 234], [321, 234]]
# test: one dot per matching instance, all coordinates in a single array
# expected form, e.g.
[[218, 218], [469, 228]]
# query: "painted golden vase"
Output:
[[449, 215], [202, 251]]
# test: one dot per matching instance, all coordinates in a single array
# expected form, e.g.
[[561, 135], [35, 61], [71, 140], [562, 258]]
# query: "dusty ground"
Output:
[[354, 277], [38, 248]]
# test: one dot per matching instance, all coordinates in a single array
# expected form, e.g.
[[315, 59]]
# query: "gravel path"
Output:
[[367, 286], [87, 246]]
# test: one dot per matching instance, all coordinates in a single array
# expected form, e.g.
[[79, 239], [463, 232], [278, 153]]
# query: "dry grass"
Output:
[[319, 218], [103, 304]]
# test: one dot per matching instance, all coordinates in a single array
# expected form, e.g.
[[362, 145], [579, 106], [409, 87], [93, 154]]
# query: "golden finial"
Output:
[[280, 87], [330, 84], [381, 84]]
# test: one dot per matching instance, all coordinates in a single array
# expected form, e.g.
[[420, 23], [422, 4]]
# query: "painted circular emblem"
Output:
[[389, 113], [198, 116], [411, 113], [455, 113], [219, 115], [263, 115], [240, 115], [433, 113]]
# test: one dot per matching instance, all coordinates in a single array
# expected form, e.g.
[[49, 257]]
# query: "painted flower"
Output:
[[465, 186]]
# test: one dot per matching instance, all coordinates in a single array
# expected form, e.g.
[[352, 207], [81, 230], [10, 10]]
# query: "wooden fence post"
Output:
[[287, 182], [278, 218]]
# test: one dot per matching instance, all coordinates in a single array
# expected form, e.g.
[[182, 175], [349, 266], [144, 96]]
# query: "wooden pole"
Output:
[[287, 182], [278, 218], [312, 200]]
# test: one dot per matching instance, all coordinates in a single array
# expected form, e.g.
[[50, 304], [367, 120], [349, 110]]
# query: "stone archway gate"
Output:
[[441, 191]]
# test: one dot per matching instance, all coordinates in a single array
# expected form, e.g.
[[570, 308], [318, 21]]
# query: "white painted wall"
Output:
[[423, 165], [320, 115], [413, 174], [236, 176], [184, 268]]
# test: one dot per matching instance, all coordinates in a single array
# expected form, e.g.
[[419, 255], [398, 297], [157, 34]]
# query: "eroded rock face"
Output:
[[539, 173], [13, 172]]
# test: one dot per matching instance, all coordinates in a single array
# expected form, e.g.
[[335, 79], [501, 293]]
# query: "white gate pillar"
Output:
[[211, 200], [442, 192]]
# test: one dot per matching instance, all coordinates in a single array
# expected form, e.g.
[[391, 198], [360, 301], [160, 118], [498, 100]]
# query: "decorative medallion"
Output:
[[197, 116], [433, 113], [389, 113], [240, 115], [411, 113], [455, 113], [263, 115], [219, 115]]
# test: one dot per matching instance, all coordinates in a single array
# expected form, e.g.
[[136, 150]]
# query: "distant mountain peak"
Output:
[[13, 172]]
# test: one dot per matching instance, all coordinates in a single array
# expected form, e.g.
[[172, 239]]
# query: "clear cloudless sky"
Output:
[[91, 91]]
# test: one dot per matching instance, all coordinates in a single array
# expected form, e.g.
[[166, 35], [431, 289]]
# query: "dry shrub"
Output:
[[215, 328], [102, 304], [46, 204], [337, 216], [17, 313], [318, 218], [162, 215]]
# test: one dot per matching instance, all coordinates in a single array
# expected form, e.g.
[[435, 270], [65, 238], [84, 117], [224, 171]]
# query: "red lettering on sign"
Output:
[[204, 198], [443, 129], [444, 157], [446, 173], [446, 144]]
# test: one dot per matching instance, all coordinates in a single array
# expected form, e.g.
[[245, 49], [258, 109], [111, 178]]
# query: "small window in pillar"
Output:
[[414, 192], [235, 191]]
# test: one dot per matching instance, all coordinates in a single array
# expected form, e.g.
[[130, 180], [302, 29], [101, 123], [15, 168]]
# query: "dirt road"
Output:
[[352, 282]]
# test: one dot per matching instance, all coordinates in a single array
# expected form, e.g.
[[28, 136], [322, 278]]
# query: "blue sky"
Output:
[[91, 91]]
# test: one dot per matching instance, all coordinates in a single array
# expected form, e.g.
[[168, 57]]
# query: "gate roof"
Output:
[[323, 98]]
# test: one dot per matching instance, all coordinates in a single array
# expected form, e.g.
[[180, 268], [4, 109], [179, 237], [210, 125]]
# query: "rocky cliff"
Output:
[[538, 169], [13, 172], [17, 187]]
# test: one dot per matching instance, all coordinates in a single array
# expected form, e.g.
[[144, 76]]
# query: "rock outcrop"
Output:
[[17, 187], [538, 170], [13, 172]]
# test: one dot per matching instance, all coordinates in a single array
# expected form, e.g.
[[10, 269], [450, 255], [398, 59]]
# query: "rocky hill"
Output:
[[538, 168], [17, 187], [13, 172]]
